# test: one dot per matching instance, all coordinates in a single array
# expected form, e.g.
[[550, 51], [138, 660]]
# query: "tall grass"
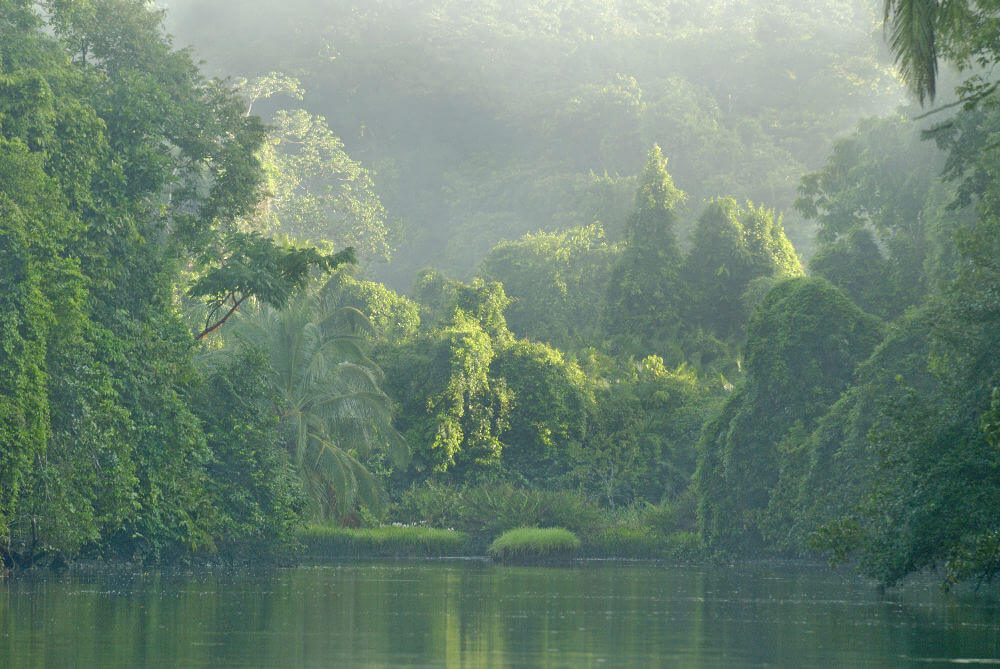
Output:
[[388, 541], [535, 545], [663, 531], [486, 511]]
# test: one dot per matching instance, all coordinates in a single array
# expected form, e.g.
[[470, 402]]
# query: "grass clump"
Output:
[[486, 511], [321, 541], [535, 545]]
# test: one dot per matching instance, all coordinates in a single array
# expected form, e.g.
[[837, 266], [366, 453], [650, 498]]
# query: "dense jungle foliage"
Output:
[[451, 279], [485, 121]]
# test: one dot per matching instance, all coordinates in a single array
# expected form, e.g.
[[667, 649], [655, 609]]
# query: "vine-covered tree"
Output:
[[554, 281], [803, 344], [732, 247], [645, 291]]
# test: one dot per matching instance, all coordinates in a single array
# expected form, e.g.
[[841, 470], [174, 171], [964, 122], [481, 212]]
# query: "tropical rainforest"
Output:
[[717, 276]]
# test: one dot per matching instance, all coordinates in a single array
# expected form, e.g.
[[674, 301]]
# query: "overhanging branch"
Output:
[[209, 329]]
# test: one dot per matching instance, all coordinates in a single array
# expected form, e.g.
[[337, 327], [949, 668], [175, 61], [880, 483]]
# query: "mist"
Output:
[[484, 121]]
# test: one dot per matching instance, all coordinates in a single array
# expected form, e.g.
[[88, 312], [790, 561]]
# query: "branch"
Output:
[[216, 308], [970, 101], [212, 328]]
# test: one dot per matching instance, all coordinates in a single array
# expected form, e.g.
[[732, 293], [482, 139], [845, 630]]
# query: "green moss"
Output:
[[534, 545], [389, 541]]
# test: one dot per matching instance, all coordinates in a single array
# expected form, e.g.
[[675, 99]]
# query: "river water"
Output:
[[475, 614]]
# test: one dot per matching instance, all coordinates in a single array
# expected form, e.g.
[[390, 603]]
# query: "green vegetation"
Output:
[[197, 358], [803, 344], [535, 545], [330, 406], [633, 544], [486, 511], [329, 543], [644, 291], [111, 200], [486, 121]]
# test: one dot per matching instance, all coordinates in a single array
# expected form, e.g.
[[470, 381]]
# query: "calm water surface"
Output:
[[474, 614]]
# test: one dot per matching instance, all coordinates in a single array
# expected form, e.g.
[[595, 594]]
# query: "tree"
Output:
[[262, 268], [331, 406], [551, 410], [644, 292], [254, 487], [315, 189], [733, 246], [884, 226], [394, 318], [453, 411], [803, 344], [30, 255], [640, 441], [919, 30], [553, 280]]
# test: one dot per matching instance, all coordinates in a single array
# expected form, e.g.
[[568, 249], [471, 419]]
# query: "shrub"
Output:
[[684, 546], [533, 545], [624, 542], [641, 544]]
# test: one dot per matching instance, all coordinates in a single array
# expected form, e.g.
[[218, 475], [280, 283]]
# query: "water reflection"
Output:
[[478, 615]]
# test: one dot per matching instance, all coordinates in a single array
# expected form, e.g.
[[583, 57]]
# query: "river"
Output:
[[474, 614]]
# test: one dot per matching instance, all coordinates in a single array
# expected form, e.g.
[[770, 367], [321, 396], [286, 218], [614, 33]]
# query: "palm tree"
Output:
[[919, 31], [912, 26], [332, 408]]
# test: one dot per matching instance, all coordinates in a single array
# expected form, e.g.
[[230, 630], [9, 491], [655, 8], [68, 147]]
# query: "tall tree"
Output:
[[315, 189], [732, 247], [645, 292]]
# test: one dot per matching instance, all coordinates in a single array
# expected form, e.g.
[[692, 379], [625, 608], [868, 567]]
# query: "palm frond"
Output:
[[912, 37], [343, 321], [332, 405]]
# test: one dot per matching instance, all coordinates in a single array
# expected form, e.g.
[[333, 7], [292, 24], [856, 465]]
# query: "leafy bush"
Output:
[[534, 545], [624, 542], [642, 544]]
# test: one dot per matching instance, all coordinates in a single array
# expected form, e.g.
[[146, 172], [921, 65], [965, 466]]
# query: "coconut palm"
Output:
[[332, 408]]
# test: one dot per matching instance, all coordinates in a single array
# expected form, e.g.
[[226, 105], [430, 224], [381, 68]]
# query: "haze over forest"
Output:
[[683, 279], [484, 121]]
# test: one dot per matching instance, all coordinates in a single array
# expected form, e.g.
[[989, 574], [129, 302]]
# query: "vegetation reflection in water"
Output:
[[477, 614]]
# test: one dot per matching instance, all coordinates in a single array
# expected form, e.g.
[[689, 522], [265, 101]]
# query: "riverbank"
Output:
[[328, 543], [325, 544]]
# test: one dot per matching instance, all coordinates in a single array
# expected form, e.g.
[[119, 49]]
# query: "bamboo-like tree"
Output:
[[333, 410]]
